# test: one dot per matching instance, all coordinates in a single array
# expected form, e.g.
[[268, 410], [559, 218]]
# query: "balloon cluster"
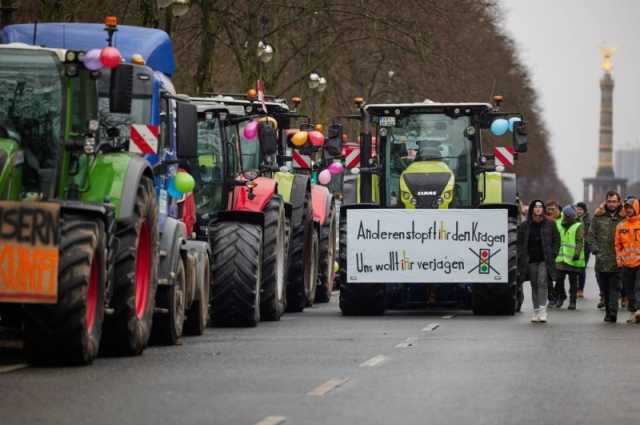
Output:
[[300, 138], [324, 177], [500, 126], [109, 57], [182, 183]]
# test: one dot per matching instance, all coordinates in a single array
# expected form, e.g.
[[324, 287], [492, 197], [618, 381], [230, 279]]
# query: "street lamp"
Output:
[[174, 8], [265, 52], [180, 8]]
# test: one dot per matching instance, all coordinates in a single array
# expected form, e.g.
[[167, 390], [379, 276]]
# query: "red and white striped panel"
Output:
[[504, 156], [351, 156], [144, 139], [300, 161]]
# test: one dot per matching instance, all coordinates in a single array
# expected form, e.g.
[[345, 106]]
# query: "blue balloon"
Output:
[[513, 120], [499, 127], [173, 191]]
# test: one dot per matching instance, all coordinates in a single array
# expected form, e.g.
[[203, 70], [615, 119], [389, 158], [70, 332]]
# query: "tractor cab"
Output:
[[432, 155]]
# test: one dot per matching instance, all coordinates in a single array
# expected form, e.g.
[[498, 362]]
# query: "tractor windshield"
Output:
[[210, 171], [427, 137], [31, 101], [249, 149]]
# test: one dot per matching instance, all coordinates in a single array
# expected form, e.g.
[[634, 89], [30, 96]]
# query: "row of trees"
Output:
[[377, 49]]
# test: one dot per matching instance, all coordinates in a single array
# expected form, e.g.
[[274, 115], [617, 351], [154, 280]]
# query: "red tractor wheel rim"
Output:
[[92, 296], [143, 263]]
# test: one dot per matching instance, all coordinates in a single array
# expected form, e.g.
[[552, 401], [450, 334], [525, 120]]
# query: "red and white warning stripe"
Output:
[[300, 161], [144, 139], [504, 156], [351, 156]]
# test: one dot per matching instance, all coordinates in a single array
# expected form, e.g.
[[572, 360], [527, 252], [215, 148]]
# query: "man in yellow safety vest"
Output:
[[570, 260]]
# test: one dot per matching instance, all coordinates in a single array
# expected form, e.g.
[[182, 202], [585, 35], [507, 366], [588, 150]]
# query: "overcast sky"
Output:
[[559, 40]]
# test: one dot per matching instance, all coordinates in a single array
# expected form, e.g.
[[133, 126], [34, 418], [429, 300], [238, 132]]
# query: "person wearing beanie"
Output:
[[583, 215], [570, 259], [601, 239], [627, 243], [538, 244]]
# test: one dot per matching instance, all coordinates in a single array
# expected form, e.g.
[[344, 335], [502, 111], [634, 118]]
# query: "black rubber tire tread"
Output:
[[168, 327], [327, 244], [311, 285], [237, 269], [500, 300], [125, 334], [272, 304], [198, 315], [297, 297], [56, 333], [357, 299]]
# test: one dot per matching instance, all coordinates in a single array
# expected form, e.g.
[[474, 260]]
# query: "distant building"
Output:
[[627, 164]]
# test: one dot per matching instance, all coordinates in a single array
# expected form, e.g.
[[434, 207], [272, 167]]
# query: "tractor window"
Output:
[[250, 150], [83, 103], [232, 150], [31, 107], [428, 137], [210, 166]]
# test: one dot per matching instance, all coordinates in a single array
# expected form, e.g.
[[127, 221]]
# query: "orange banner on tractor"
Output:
[[29, 252]]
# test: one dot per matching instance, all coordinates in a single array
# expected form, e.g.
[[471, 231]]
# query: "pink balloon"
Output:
[[251, 130], [324, 177], [336, 168], [92, 60], [317, 138]]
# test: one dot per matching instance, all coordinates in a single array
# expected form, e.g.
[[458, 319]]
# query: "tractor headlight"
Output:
[[70, 56], [447, 195], [406, 196]]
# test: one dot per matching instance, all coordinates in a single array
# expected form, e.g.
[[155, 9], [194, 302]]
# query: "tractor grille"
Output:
[[426, 188]]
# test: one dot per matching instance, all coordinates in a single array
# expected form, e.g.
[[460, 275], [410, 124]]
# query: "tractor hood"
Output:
[[427, 184]]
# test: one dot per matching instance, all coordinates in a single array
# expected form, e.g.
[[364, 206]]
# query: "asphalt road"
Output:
[[320, 368]]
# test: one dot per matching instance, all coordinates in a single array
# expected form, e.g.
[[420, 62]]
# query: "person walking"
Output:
[[583, 215], [538, 245], [627, 243], [601, 239], [570, 259]]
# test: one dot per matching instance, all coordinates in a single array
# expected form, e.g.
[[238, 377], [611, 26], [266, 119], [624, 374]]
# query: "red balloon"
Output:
[[317, 138], [110, 57]]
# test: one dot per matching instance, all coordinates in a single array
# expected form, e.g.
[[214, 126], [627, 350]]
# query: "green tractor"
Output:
[[78, 216], [429, 160]]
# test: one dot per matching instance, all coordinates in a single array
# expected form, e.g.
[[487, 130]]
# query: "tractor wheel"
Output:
[[501, 300], [69, 332], [127, 331], [327, 257], [312, 264], [237, 269], [168, 327], [299, 245], [358, 299], [198, 314], [274, 261]]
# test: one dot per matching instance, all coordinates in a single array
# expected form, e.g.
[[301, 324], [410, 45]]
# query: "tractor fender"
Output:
[[263, 192], [502, 192], [137, 167], [301, 184], [172, 235], [285, 181], [321, 199], [198, 251]]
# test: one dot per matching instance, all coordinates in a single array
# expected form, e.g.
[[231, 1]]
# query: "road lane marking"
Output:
[[272, 420], [330, 385], [13, 367], [449, 316], [374, 361], [407, 342], [431, 327]]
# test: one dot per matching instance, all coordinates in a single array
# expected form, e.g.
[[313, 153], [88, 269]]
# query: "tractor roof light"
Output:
[[359, 101], [137, 59], [111, 22], [252, 94], [296, 100], [498, 99]]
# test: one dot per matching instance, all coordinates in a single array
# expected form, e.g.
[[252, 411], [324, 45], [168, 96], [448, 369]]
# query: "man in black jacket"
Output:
[[538, 245]]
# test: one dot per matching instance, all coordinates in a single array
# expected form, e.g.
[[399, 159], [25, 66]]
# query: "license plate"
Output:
[[29, 252], [387, 122]]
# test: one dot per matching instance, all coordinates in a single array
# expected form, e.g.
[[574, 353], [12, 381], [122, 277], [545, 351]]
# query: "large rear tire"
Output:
[[69, 331], [327, 257], [237, 269], [298, 257], [357, 299], [127, 331], [274, 261]]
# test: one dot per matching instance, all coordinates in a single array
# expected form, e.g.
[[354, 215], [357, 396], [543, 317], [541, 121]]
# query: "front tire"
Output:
[[237, 269], [69, 332], [136, 276]]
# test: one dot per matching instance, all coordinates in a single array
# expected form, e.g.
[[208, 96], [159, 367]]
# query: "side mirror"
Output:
[[520, 141], [268, 139], [121, 89], [333, 144], [187, 131]]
